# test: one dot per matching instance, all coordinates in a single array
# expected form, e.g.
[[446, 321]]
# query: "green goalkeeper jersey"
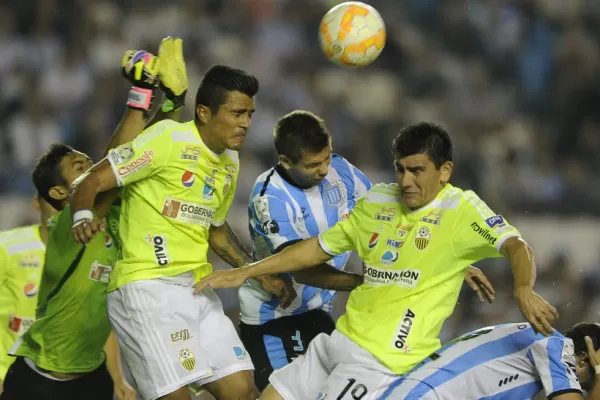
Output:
[[72, 327]]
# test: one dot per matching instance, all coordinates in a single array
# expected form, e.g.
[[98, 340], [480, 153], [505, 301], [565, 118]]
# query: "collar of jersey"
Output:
[[433, 204], [195, 130]]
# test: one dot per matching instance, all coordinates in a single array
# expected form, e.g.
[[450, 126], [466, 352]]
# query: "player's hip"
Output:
[[126, 272]]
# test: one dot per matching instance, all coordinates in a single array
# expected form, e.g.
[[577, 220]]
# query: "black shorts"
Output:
[[23, 383], [275, 344]]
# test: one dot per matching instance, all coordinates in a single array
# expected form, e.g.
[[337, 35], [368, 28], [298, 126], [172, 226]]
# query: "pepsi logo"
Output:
[[187, 179], [30, 289], [374, 240]]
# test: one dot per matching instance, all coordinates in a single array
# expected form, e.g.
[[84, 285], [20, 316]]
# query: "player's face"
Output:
[[585, 372], [73, 165], [419, 180], [312, 168], [229, 126]]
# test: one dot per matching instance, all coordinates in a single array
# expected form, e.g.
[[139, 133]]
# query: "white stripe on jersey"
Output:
[[501, 362], [280, 213]]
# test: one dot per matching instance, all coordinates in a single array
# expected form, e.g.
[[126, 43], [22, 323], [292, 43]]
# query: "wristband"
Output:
[[597, 369], [139, 98], [81, 216]]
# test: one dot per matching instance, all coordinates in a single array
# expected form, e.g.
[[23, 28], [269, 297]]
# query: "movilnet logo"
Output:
[[141, 162], [484, 233]]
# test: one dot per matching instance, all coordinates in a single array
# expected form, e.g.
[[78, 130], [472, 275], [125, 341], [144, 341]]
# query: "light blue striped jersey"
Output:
[[503, 362], [281, 214]]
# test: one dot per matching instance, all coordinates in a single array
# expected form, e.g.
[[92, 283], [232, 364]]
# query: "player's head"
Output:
[[56, 170], [43, 207], [423, 161], [303, 146], [583, 368], [224, 106]]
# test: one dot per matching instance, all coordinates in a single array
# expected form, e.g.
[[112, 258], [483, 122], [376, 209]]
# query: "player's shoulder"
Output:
[[383, 193], [267, 188], [21, 240], [232, 157]]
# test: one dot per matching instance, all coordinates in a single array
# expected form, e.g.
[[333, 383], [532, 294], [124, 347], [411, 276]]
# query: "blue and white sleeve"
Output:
[[554, 359], [362, 184], [271, 219]]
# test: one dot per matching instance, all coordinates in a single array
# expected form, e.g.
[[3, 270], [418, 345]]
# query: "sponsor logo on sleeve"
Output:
[[408, 278], [191, 153], [403, 330], [159, 243], [139, 163], [19, 324], [122, 154], [422, 238], [188, 212], [484, 233], [99, 272], [271, 227], [495, 222], [568, 359]]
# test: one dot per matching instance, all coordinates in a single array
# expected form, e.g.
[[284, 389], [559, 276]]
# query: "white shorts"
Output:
[[334, 367], [170, 337]]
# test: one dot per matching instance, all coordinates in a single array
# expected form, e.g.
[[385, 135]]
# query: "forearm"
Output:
[[325, 276], [84, 193], [302, 255], [225, 243], [594, 393], [131, 125], [113, 358], [522, 262]]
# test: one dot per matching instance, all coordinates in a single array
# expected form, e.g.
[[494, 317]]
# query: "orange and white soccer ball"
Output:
[[352, 34]]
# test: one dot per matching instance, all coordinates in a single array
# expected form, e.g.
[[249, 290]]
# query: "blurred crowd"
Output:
[[516, 83]]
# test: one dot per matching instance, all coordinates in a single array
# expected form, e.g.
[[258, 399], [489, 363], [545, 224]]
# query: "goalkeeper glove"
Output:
[[173, 76], [141, 69]]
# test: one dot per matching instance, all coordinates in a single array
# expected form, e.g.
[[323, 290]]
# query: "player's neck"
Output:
[[285, 175], [44, 230], [209, 141]]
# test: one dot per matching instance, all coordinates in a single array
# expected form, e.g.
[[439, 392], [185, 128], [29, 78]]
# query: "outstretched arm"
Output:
[[325, 276], [225, 243]]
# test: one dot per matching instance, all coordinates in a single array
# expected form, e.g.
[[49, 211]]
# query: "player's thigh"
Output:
[[232, 367], [252, 338], [357, 382], [411, 389], [237, 386], [307, 375], [156, 324]]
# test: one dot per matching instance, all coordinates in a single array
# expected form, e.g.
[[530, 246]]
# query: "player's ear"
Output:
[[203, 113], [285, 162], [58, 192], [446, 172]]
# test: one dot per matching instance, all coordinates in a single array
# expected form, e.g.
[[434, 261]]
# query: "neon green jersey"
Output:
[[174, 188], [414, 266], [21, 261], [72, 326]]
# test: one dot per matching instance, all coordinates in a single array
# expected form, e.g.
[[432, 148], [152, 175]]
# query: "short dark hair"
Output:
[[47, 173], [578, 333], [424, 138], [300, 131], [218, 81]]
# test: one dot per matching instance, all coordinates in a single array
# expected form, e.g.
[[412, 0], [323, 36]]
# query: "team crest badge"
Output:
[[187, 359], [422, 238], [333, 194]]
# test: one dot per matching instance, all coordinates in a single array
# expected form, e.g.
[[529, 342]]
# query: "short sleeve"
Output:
[[229, 194], [341, 237], [554, 359], [479, 232], [271, 219], [362, 184], [145, 156]]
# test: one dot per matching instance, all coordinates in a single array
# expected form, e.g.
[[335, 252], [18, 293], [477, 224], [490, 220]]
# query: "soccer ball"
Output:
[[352, 34]]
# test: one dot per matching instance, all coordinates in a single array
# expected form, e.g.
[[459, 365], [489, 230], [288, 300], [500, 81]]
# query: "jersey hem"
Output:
[[502, 239], [133, 278], [53, 368], [326, 248], [217, 223], [563, 391], [114, 169]]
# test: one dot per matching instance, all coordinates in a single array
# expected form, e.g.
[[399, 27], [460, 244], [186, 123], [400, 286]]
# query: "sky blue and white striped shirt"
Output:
[[280, 214], [504, 362]]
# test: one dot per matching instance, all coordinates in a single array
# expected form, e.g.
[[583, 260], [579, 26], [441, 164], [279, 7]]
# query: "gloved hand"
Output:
[[141, 69], [173, 76]]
